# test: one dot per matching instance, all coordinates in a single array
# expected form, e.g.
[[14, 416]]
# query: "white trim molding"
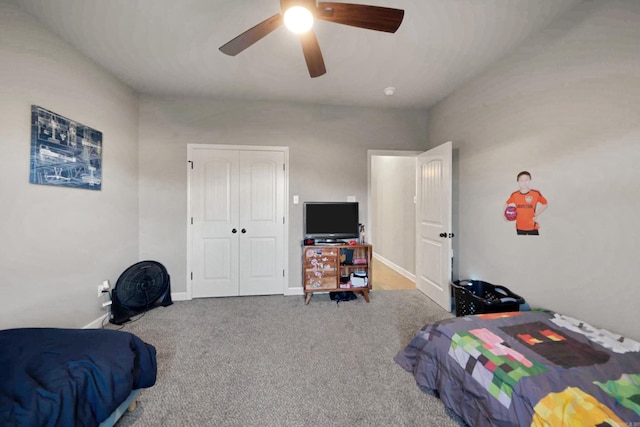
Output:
[[96, 324], [395, 267]]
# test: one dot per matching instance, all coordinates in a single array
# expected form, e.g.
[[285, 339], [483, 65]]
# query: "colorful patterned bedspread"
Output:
[[534, 368]]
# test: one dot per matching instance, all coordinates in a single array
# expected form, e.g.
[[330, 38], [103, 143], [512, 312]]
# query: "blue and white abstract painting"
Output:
[[64, 153]]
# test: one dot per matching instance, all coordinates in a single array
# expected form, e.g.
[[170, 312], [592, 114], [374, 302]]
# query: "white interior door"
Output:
[[433, 224], [214, 230], [261, 222], [236, 222]]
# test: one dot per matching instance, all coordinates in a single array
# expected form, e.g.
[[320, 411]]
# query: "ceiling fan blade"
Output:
[[312, 54], [252, 35], [362, 16]]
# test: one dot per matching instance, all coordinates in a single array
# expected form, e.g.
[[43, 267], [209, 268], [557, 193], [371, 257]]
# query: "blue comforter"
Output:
[[69, 377]]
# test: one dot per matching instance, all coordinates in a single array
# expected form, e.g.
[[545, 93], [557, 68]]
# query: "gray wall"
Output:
[[58, 244], [392, 231], [566, 107], [327, 156]]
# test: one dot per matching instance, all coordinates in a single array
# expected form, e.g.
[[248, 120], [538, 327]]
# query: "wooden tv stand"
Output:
[[328, 268]]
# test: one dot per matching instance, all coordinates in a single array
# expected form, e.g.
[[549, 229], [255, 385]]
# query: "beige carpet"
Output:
[[274, 361]]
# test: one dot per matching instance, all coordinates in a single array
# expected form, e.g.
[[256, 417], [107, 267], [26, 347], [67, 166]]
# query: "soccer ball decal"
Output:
[[511, 213]]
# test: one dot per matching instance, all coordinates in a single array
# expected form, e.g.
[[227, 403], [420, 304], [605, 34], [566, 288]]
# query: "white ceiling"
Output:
[[170, 47]]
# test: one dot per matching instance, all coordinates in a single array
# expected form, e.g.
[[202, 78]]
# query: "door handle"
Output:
[[443, 234], [234, 231], [451, 235], [243, 231]]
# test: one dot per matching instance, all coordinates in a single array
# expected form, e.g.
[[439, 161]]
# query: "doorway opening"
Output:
[[391, 217]]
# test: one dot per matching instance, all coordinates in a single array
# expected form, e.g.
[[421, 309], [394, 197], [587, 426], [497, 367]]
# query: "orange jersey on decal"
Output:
[[526, 208]]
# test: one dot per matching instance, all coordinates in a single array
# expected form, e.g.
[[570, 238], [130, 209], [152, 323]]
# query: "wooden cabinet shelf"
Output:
[[337, 268]]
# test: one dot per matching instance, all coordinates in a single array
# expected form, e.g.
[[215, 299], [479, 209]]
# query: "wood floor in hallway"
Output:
[[386, 279]]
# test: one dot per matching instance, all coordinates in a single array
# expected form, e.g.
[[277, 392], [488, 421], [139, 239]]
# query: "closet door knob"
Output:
[[243, 231], [443, 234], [234, 231]]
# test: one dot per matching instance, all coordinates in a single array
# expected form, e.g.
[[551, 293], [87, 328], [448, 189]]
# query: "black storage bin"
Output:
[[477, 297]]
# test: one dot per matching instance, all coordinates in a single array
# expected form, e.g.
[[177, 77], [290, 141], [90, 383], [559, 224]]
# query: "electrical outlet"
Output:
[[103, 287]]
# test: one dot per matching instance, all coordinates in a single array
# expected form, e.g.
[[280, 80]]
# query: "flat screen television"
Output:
[[331, 221]]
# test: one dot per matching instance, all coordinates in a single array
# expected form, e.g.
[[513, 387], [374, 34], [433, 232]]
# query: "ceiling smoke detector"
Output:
[[389, 90]]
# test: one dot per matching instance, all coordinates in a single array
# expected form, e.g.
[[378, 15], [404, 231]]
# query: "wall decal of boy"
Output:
[[528, 204]]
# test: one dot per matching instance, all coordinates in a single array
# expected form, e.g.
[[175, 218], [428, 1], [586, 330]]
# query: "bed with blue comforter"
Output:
[[536, 368], [69, 377]]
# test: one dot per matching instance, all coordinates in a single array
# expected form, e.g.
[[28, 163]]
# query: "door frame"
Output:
[[369, 224], [285, 243]]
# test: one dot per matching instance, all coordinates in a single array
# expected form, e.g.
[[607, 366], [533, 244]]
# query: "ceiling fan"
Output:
[[302, 13]]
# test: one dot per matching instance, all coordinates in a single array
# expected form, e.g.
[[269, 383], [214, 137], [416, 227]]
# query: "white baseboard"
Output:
[[96, 324], [395, 267], [179, 296], [293, 291], [182, 296]]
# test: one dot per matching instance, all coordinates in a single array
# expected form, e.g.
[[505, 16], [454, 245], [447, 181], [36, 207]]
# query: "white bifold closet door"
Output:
[[237, 212]]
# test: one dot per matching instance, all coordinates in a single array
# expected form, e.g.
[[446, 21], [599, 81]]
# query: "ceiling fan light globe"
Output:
[[298, 19]]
